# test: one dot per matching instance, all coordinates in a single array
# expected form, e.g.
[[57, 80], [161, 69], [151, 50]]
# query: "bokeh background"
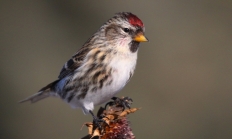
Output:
[[183, 80]]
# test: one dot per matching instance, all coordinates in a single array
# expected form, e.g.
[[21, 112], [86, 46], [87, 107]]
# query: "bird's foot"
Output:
[[123, 102], [97, 121]]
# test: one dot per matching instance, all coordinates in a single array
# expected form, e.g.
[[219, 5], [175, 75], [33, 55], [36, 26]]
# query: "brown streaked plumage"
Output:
[[102, 67]]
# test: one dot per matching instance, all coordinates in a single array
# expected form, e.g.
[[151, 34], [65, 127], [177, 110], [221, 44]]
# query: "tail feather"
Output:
[[36, 97], [43, 93]]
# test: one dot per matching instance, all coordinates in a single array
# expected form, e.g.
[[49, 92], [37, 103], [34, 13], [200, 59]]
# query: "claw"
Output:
[[111, 103], [97, 121], [128, 99], [120, 102]]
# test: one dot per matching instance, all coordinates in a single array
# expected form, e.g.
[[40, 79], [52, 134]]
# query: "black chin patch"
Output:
[[134, 46]]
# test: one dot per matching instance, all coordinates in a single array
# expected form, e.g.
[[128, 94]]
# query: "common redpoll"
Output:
[[101, 68]]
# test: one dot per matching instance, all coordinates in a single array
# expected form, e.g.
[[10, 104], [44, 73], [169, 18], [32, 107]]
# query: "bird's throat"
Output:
[[134, 46]]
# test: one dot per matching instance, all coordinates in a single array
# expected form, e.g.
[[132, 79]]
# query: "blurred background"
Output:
[[183, 80]]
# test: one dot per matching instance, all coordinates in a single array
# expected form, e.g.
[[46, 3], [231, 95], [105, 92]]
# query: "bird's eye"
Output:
[[126, 29]]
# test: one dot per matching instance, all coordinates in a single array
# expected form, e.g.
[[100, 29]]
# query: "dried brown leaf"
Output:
[[128, 111]]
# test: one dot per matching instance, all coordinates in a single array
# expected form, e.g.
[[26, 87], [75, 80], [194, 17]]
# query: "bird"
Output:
[[101, 67]]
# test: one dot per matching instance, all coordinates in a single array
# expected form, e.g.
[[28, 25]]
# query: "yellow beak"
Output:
[[140, 38]]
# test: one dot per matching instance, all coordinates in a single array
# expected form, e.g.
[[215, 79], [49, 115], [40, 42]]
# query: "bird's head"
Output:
[[124, 31]]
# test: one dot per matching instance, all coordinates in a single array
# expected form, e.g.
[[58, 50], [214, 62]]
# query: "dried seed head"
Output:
[[116, 125], [118, 129]]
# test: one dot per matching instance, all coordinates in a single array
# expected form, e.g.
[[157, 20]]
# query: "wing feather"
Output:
[[74, 63]]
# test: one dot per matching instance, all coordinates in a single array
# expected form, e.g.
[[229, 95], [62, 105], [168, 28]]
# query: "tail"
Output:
[[43, 93]]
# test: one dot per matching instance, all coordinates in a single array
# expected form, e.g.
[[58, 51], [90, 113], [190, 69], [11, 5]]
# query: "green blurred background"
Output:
[[183, 80]]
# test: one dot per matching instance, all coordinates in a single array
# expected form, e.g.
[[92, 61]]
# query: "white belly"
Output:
[[122, 68]]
